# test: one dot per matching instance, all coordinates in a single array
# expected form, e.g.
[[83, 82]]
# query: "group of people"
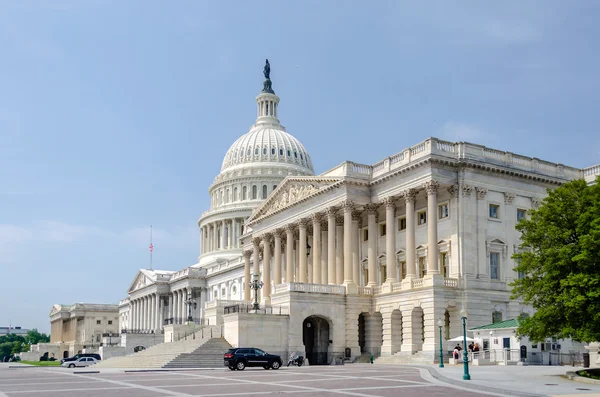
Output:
[[473, 347]]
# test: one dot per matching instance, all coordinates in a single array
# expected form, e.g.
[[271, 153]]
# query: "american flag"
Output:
[[151, 247]]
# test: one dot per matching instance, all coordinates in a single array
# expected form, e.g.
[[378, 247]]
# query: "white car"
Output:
[[80, 362]]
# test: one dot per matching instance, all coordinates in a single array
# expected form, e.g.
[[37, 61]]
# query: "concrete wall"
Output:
[[263, 331], [130, 341], [107, 352]]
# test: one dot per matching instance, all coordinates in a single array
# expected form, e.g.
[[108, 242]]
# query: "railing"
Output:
[[247, 308], [397, 286], [450, 282], [377, 290], [416, 282], [315, 288], [365, 291], [139, 331], [185, 320], [221, 303]]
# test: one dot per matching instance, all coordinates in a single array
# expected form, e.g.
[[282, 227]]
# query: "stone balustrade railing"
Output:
[[450, 282], [397, 286], [460, 151], [365, 291], [222, 303], [416, 282], [591, 173]]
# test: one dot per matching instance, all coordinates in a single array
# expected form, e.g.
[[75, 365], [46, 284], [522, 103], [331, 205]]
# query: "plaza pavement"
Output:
[[362, 380]]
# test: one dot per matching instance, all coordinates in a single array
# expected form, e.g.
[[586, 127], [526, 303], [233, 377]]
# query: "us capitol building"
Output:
[[361, 258]]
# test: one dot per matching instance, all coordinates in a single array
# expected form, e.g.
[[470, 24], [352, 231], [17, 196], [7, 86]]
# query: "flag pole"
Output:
[[151, 247]]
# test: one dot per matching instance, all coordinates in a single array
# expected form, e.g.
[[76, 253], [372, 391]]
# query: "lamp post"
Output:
[[255, 285], [92, 341], [190, 302], [441, 324], [463, 315]]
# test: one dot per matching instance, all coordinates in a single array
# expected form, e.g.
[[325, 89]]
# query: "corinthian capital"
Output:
[[431, 187], [453, 190], [303, 222], [279, 233], [371, 208], [356, 216], [389, 202], [409, 195], [347, 205], [256, 241], [267, 238], [509, 197], [466, 190], [316, 217], [481, 192], [247, 254], [289, 228], [331, 211]]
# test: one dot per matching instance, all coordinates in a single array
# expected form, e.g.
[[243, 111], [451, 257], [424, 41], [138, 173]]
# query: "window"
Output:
[[109, 322], [273, 151], [494, 265], [486, 344], [256, 151], [98, 338], [215, 293], [403, 269], [281, 152], [443, 211], [444, 263], [274, 187], [494, 211], [422, 217], [235, 194], [382, 230], [264, 192], [264, 151], [401, 224], [223, 292], [98, 322], [422, 267], [289, 154], [254, 192], [301, 158], [296, 154], [365, 234], [496, 317], [244, 193], [521, 214]]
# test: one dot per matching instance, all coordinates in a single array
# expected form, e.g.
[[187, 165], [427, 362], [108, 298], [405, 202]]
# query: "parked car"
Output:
[[80, 362], [80, 355], [242, 357]]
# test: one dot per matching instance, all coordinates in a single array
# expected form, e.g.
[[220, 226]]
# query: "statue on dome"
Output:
[[267, 70]]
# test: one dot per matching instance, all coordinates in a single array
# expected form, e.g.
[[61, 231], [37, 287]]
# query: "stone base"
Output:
[[351, 288]]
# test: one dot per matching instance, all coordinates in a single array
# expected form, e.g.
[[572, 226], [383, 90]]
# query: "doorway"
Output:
[[315, 336]]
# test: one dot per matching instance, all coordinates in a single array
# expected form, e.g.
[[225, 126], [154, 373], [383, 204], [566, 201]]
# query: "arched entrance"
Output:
[[361, 332], [65, 354], [315, 336]]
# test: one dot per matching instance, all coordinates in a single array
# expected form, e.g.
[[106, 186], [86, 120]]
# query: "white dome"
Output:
[[267, 145]]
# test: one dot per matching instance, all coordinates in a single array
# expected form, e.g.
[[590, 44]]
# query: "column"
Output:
[[256, 256], [372, 244], [215, 236], [390, 238], [132, 314], [303, 270], [289, 253], [247, 275], [339, 255], [316, 248], [266, 276], [223, 236], [432, 223], [347, 207], [236, 233], [409, 198], [324, 255], [175, 307], [170, 314], [277, 261], [151, 311], [230, 234], [160, 306], [143, 313], [356, 218], [331, 245], [201, 241], [158, 318], [206, 239]]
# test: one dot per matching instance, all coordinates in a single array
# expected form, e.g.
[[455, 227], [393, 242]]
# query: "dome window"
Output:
[[296, 154], [245, 193], [254, 192], [289, 153], [256, 151], [249, 152], [301, 158], [281, 152], [264, 151], [264, 192], [274, 187], [272, 151]]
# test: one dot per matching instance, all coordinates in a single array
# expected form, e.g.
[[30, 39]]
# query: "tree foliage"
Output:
[[560, 260], [11, 344]]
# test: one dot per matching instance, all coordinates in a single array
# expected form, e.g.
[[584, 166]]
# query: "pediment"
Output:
[[291, 192], [140, 281], [55, 309]]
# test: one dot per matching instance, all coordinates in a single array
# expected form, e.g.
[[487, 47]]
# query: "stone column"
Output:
[[324, 254], [347, 207], [277, 261], [215, 237], [339, 255], [356, 218], [174, 309], [236, 233], [432, 223], [289, 253], [201, 241], [372, 244], [247, 279], [266, 276], [151, 312], [303, 270], [409, 198], [331, 278], [316, 248], [132, 314], [390, 239], [223, 236]]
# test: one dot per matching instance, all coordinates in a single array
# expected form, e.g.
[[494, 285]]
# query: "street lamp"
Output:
[[92, 341], [190, 302], [255, 285], [441, 324], [307, 248], [463, 315]]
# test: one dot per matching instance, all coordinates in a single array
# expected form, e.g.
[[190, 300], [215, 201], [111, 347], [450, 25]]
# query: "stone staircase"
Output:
[[158, 356], [403, 358], [208, 355]]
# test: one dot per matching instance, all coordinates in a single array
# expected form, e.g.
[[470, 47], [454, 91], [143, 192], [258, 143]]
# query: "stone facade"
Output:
[[362, 258]]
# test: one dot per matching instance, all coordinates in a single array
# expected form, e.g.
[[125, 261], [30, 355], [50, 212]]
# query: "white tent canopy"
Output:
[[460, 339]]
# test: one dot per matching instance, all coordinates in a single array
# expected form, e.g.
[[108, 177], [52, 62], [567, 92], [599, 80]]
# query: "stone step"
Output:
[[208, 355]]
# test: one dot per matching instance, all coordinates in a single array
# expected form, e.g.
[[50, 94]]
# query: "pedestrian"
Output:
[[372, 358]]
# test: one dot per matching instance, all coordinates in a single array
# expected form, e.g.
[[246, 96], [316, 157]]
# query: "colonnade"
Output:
[[335, 242], [221, 235], [149, 312]]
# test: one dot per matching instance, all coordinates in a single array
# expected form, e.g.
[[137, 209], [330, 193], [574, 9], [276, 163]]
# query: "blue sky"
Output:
[[116, 115]]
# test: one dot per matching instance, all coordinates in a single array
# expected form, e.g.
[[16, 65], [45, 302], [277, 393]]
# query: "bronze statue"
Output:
[[267, 70]]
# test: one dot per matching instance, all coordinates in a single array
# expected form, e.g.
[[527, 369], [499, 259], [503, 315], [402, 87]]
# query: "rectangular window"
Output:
[[365, 234], [401, 224], [444, 263], [494, 265], [443, 211], [521, 214], [98, 322], [403, 269], [422, 217], [496, 317], [422, 267], [494, 211], [382, 230], [520, 275], [109, 322], [486, 344]]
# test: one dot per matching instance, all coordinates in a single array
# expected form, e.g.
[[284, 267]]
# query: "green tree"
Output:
[[34, 337], [560, 260]]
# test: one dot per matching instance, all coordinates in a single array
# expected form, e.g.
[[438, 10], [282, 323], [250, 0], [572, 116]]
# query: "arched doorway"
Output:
[[315, 336], [138, 349], [65, 354], [361, 332]]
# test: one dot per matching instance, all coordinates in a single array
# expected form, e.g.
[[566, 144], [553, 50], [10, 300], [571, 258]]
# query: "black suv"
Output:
[[243, 357], [77, 356]]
